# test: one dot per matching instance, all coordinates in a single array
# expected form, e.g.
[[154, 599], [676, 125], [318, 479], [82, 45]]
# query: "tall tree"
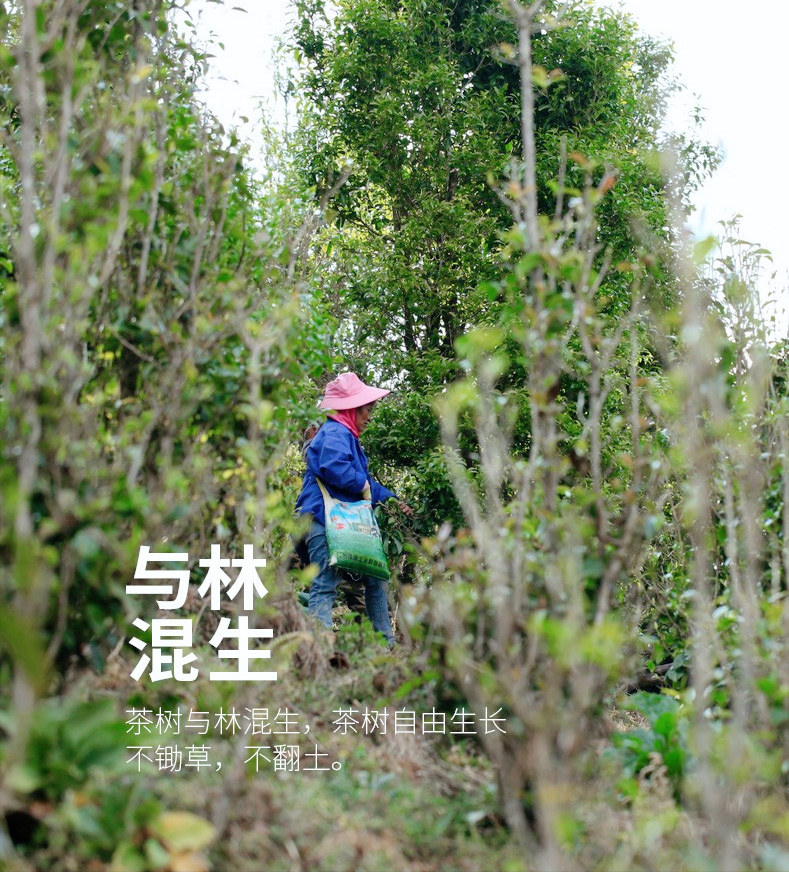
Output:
[[422, 98]]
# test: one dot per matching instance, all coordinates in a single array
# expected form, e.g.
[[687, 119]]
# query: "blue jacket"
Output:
[[336, 456]]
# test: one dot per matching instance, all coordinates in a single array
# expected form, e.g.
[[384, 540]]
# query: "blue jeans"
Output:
[[324, 587]]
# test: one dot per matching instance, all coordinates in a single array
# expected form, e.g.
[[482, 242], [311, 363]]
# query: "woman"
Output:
[[336, 456]]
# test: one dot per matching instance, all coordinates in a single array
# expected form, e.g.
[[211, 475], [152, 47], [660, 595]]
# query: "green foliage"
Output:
[[403, 438], [74, 764], [67, 742], [421, 103], [664, 739], [423, 220], [598, 484], [148, 324], [152, 336]]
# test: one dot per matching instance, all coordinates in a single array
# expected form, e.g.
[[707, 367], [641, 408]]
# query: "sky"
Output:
[[731, 57]]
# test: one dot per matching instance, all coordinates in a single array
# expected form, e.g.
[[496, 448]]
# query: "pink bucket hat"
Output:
[[348, 391]]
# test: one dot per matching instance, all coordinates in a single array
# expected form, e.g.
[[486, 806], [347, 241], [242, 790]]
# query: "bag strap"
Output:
[[328, 500]]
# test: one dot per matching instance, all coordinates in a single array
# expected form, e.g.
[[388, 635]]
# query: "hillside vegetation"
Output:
[[477, 207]]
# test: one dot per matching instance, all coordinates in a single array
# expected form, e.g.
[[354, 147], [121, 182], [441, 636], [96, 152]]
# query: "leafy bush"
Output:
[[665, 739]]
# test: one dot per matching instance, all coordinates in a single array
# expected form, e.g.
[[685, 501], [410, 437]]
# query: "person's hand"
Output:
[[405, 509], [367, 494]]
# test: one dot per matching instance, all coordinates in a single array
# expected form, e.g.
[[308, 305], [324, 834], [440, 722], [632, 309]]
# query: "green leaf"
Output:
[[703, 248], [157, 856], [539, 76], [653, 705], [183, 831], [479, 341], [128, 858]]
